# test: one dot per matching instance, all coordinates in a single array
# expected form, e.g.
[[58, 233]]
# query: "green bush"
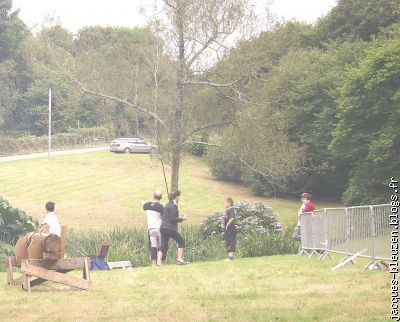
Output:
[[250, 218], [198, 149], [225, 166], [14, 223]]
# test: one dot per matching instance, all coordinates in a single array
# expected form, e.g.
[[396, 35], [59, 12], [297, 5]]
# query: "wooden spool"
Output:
[[52, 244]]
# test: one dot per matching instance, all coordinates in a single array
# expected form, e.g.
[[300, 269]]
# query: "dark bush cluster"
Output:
[[198, 149]]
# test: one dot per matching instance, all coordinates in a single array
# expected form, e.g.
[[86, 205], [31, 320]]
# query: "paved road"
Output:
[[44, 154]]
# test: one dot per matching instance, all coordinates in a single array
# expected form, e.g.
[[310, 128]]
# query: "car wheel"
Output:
[[127, 150]]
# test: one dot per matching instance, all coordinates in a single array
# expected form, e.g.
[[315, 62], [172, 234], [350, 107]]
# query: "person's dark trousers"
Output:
[[166, 234]]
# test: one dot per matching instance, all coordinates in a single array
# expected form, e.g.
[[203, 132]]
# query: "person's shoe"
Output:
[[182, 262], [230, 259]]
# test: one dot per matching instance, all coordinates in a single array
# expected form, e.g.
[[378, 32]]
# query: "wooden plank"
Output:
[[121, 264], [26, 284], [55, 276], [86, 274], [39, 281], [18, 280], [35, 248], [51, 255], [10, 258], [21, 250], [64, 231], [65, 263], [10, 278]]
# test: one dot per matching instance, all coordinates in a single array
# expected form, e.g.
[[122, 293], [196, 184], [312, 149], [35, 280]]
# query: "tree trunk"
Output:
[[177, 131]]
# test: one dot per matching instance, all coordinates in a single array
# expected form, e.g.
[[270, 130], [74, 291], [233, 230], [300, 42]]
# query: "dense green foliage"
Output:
[[14, 223], [328, 94]]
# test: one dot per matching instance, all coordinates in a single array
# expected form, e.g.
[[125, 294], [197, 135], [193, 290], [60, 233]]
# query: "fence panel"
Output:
[[306, 225], [360, 230], [382, 228], [337, 229], [348, 230], [319, 229]]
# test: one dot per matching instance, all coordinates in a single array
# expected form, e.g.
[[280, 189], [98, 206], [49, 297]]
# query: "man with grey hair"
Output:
[[154, 211]]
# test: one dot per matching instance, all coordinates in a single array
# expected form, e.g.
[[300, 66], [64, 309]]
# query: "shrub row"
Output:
[[132, 245], [30, 143]]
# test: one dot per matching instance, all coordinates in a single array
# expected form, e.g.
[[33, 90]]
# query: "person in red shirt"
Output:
[[307, 205]]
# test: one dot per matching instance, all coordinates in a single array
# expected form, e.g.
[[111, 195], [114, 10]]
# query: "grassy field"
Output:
[[102, 189], [276, 288]]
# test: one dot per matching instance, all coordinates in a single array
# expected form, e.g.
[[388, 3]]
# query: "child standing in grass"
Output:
[[230, 229]]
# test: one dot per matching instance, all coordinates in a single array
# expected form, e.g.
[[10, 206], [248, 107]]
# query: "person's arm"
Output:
[[230, 222], [147, 206], [174, 214], [231, 217], [44, 228]]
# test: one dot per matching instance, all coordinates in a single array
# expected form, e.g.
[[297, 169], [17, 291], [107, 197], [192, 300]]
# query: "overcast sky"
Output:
[[75, 14]]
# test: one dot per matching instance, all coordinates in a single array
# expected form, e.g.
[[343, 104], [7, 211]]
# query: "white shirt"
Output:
[[153, 219], [52, 221], [154, 212]]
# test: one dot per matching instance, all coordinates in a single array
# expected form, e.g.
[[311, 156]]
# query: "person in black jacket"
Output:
[[169, 229], [230, 228]]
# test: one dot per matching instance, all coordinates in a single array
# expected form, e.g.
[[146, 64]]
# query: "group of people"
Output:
[[162, 223]]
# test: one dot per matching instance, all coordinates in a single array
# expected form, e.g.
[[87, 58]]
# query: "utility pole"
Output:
[[49, 151]]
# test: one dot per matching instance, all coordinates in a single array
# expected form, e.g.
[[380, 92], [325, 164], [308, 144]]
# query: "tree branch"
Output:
[[204, 127], [106, 96], [244, 162], [215, 84]]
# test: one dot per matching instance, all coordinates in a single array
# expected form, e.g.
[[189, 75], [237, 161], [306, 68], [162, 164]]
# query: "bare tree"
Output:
[[199, 33]]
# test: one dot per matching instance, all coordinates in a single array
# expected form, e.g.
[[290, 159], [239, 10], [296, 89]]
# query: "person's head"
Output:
[[157, 195], [50, 206], [305, 197], [228, 202], [174, 195]]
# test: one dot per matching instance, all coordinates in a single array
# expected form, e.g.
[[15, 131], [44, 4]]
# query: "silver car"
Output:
[[131, 145]]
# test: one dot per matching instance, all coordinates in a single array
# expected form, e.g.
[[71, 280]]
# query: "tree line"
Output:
[[296, 107]]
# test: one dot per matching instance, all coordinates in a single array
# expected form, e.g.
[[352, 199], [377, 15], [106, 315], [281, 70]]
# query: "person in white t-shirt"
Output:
[[50, 223], [154, 211]]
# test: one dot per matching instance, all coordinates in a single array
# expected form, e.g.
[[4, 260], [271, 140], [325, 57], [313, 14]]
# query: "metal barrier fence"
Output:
[[347, 231]]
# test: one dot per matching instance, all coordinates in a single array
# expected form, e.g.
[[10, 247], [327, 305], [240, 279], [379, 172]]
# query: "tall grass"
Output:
[[132, 245]]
